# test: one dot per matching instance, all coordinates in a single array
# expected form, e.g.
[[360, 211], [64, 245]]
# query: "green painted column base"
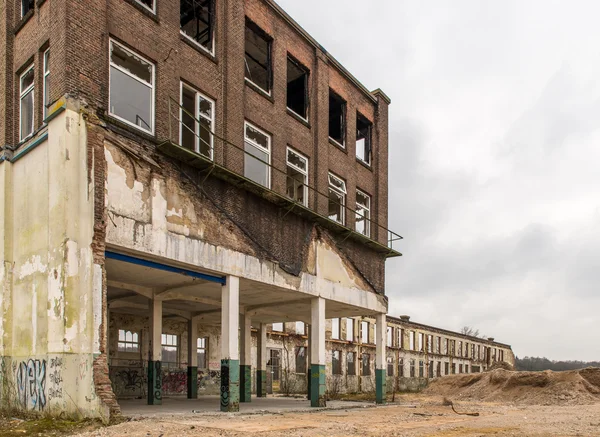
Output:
[[261, 383], [154, 383], [245, 383], [317, 385], [308, 384], [192, 382], [230, 385], [380, 386]]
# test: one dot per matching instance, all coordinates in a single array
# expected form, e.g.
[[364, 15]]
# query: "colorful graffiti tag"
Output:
[[31, 384]]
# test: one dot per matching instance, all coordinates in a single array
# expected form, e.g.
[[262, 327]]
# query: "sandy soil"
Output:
[[413, 415]]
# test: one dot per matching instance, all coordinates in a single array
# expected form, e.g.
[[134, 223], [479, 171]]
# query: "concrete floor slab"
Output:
[[209, 405]]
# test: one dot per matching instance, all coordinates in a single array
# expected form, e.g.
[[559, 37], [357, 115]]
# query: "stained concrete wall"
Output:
[[49, 329]]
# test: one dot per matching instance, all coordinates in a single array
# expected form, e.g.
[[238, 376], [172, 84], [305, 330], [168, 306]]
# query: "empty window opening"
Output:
[[374, 333], [366, 365], [439, 369], [301, 359], [197, 115], [363, 213], [46, 82], [390, 366], [297, 88], [202, 351], [129, 341], [363, 139], [390, 336], [421, 369], [420, 342], [26, 6], [297, 177], [401, 367], [337, 199], [131, 96], [412, 368], [430, 369], [196, 20], [26, 106], [411, 340], [258, 57], [430, 344], [446, 368], [337, 118], [351, 363], [148, 4], [300, 328], [258, 155], [335, 329], [364, 332], [277, 327], [170, 350], [349, 329], [336, 362], [400, 336]]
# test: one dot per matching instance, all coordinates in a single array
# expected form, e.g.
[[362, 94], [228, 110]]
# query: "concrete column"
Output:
[[261, 361], [230, 356], [246, 358], [308, 358], [317, 353], [380, 361], [154, 364], [192, 370]]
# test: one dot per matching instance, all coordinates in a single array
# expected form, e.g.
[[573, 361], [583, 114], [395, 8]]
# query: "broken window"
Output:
[[26, 6], [430, 369], [300, 328], [366, 365], [412, 368], [337, 119], [297, 88], [337, 199], [46, 83], [421, 369], [454, 368], [170, 350], [411, 340], [363, 213], [26, 108], [277, 327], [258, 155], [131, 95], [258, 57], [197, 115], [129, 341], [401, 367], [196, 20], [420, 342], [446, 368], [301, 359], [390, 336], [202, 351], [336, 362], [364, 332], [297, 177], [363, 139], [439, 369], [390, 366], [351, 363], [335, 329], [349, 329]]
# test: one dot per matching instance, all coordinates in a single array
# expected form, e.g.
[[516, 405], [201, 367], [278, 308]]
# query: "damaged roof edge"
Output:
[[371, 95]]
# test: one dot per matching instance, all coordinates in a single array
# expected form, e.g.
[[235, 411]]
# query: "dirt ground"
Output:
[[411, 415]]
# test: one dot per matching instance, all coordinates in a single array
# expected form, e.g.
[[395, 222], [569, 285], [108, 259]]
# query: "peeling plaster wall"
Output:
[[48, 329]]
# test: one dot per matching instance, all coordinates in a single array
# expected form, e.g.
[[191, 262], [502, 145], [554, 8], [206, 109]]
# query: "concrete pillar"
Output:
[[246, 358], [308, 358], [192, 370], [154, 364], [317, 358], [380, 361], [261, 361], [230, 356]]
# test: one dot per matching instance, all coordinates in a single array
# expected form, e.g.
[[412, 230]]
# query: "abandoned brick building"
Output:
[[205, 164]]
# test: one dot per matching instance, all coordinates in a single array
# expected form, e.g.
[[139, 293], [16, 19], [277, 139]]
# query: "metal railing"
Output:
[[176, 112]]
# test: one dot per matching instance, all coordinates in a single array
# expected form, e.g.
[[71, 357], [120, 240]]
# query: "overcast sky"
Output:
[[494, 159]]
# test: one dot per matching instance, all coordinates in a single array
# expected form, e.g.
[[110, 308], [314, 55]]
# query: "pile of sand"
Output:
[[575, 387]]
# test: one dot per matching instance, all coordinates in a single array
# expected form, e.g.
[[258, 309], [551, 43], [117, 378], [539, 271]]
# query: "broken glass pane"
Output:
[[130, 99], [131, 63]]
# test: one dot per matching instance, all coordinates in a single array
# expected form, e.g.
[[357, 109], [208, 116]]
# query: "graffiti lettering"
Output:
[[31, 384], [224, 385], [174, 382]]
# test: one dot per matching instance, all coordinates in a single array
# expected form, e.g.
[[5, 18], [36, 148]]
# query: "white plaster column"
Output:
[[380, 357], [317, 352], [261, 362], [245, 358], [192, 370], [230, 355]]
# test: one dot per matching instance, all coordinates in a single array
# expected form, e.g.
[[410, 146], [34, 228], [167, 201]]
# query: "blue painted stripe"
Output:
[[166, 268]]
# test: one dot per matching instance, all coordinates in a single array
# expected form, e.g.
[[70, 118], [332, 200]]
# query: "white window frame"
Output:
[[270, 60], [349, 332], [277, 330], [364, 332], [367, 217], [390, 336], [342, 191], [164, 342], [336, 322], [124, 71], [200, 347], [304, 172], [23, 94], [196, 43], [126, 342], [46, 59], [152, 9], [300, 328], [259, 147], [197, 117]]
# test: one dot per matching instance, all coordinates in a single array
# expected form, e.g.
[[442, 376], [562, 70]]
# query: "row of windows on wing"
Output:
[[131, 100]]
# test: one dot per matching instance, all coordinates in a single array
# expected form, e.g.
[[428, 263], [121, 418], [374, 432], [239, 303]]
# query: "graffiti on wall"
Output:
[[174, 382], [55, 376], [224, 385], [31, 384]]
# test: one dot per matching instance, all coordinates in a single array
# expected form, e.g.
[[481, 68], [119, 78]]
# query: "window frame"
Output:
[[351, 364], [350, 332], [126, 342], [344, 120], [364, 333], [23, 13], [260, 148], [390, 366], [339, 329], [362, 364], [336, 370], [306, 71], [197, 119], [152, 86], [276, 330], [296, 355], [269, 40], [164, 344], [212, 26], [45, 82], [22, 94], [295, 167], [368, 140], [205, 349], [343, 191], [390, 336], [367, 217], [153, 9]]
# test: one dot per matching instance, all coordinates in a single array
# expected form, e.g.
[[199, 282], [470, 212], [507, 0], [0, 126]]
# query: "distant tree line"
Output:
[[538, 364]]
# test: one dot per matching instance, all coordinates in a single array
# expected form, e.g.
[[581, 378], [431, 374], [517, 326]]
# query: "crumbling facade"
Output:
[[202, 165]]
